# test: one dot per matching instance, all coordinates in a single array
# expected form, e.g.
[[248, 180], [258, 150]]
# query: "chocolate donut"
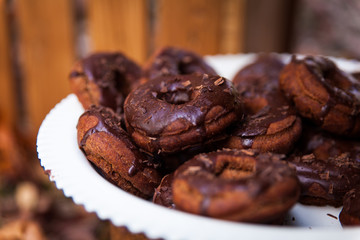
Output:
[[327, 167], [271, 123], [173, 113], [176, 61], [238, 185], [257, 80], [110, 149], [104, 79], [350, 213], [323, 93]]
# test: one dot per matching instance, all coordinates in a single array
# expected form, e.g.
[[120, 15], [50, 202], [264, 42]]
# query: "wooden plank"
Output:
[[119, 26], [268, 25], [7, 88], [192, 24], [232, 30], [46, 41]]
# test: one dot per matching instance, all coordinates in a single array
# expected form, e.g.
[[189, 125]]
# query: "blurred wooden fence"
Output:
[[41, 39]]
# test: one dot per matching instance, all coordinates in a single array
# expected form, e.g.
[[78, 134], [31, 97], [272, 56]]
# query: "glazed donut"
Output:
[[257, 80], [104, 79], [173, 113], [323, 93], [176, 61], [238, 185], [107, 146], [271, 123], [350, 213], [327, 167]]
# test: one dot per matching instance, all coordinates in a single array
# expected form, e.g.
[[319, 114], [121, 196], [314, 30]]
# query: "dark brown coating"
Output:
[[350, 213], [111, 150], [173, 113], [238, 185], [176, 61], [104, 79], [271, 123], [327, 167], [323, 93], [163, 193], [258, 80]]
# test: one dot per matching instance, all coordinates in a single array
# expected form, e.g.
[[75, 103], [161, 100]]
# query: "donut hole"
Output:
[[178, 91], [175, 97], [235, 168]]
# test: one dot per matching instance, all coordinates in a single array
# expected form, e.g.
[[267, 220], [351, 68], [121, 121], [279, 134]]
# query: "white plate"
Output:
[[68, 168]]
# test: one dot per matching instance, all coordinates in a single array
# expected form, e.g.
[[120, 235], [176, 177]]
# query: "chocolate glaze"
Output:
[[259, 78], [176, 61], [113, 73], [258, 81], [327, 167], [224, 171], [110, 123], [163, 193], [350, 214], [155, 105]]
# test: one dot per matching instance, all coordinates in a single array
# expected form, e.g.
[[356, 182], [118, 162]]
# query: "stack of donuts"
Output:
[[175, 132]]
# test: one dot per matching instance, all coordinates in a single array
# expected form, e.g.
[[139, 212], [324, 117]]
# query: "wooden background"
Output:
[[40, 40]]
